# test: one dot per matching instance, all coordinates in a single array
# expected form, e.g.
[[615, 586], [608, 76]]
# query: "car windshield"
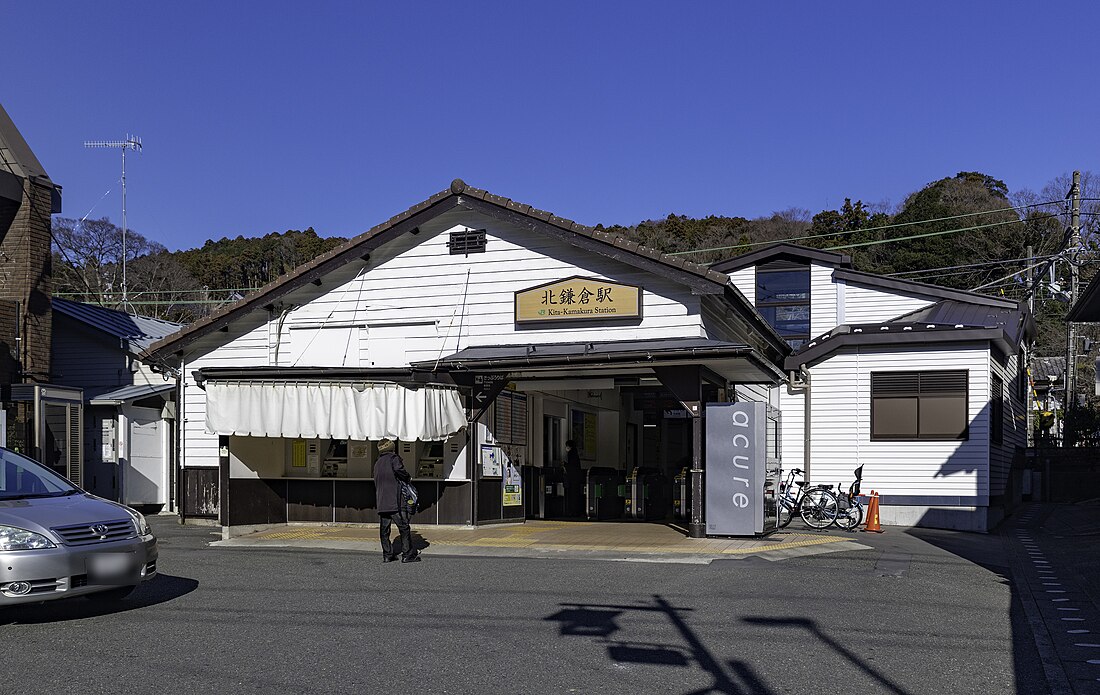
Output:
[[22, 478]]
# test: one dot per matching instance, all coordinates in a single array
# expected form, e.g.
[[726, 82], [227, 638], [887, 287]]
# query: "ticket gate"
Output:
[[681, 494], [552, 490], [603, 494], [646, 495]]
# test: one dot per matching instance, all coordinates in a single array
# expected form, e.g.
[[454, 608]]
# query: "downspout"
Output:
[[800, 383]]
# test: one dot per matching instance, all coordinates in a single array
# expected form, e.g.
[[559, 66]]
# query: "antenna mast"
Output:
[[132, 142]]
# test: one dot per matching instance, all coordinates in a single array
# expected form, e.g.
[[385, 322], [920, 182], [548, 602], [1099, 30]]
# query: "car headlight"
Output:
[[139, 522], [12, 538]]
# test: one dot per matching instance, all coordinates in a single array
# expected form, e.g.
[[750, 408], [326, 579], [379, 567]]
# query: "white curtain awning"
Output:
[[333, 410]]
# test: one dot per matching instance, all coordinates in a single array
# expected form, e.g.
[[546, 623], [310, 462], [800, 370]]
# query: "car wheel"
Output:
[[111, 595]]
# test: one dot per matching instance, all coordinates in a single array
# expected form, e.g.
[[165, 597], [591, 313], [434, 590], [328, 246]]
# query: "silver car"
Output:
[[58, 541]]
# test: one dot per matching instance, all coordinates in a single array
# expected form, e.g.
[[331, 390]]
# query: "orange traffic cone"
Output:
[[872, 515]]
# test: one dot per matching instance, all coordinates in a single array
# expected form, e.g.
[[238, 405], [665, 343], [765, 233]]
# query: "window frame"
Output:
[[918, 394], [787, 267]]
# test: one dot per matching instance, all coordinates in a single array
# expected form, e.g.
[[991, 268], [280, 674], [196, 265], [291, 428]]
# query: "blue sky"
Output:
[[338, 115]]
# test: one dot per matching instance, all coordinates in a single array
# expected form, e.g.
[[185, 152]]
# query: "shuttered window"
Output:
[[997, 411], [919, 405]]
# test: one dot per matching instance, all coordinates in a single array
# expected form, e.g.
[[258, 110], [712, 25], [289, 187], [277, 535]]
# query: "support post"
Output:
[[697, 528]]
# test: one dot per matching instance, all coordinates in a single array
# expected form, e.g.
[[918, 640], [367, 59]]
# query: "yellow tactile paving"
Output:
[[561, 536]]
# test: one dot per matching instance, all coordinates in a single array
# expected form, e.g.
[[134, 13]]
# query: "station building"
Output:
[[483, 335]]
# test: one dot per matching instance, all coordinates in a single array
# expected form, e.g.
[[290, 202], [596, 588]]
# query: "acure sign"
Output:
[[578, 299]]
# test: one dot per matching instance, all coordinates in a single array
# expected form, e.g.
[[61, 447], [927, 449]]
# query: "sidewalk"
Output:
[[1055, 567], [622, 541]]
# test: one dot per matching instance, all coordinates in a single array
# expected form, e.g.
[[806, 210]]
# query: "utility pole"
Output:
[[1029, 406], [1071, 334], [130, 143]]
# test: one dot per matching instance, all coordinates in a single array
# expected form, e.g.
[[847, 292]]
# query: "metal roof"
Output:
[[1014, 321], [942, 322], [139, 332], [784, 251], [130, 393], [1087, 308]]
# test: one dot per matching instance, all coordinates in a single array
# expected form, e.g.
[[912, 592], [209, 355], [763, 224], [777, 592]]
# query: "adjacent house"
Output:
[[129, 416], [923, 386]]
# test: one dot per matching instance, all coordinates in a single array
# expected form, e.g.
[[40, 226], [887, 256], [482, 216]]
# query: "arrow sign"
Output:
[[486, 387]]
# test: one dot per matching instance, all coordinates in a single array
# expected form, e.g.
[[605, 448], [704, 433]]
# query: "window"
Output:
[[783, 299], [919, 405], [997, 410]]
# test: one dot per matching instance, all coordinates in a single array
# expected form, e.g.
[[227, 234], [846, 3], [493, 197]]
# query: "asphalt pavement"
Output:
[[915, 612]]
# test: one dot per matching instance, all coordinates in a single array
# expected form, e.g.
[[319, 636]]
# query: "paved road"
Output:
[[925, 612]]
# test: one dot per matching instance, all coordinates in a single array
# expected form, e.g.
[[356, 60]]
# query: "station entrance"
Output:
[[623, 451]]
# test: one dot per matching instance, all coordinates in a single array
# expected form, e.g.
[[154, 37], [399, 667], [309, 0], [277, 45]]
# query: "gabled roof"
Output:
[[943, 322], [700, 278], [17, 162], [16, 156], [136, 332], [783, 251]]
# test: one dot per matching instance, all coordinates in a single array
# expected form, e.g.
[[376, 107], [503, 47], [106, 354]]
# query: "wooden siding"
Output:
[[1014, 424], [841, 425], [745, 281], [424, 290], [417, 301], [867, 305], [823, 295], [85, 359]]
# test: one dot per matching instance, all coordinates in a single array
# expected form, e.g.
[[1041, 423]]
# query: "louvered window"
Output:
[[468, 241], [919, 405], [997, 411]]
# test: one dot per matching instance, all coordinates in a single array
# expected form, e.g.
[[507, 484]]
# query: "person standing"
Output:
[[574, 481], [388, 470]]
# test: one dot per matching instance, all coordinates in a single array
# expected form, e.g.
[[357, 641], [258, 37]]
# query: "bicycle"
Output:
[[817, 506], [850, 513]]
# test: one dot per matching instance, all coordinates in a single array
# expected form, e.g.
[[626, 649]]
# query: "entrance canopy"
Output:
[[333, 409], [736, 362]]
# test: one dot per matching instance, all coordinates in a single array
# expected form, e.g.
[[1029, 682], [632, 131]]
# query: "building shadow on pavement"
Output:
[[601, 623], [160, 589], [988, 552]]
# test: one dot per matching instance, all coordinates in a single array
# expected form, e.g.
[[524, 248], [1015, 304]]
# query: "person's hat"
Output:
[[385, 446]]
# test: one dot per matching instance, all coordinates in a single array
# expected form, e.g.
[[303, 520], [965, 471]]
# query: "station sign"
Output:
[[578, 299]]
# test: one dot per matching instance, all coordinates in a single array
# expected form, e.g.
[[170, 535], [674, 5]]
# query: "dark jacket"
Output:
[[388, 469]]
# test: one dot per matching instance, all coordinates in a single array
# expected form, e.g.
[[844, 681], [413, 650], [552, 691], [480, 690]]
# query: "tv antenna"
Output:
[[132, 142]]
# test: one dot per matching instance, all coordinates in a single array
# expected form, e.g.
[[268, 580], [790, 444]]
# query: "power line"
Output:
[[941, 233], [968, 265], [875, 229]]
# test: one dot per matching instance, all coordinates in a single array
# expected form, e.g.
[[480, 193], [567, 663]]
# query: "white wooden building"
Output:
[[467, 295], [922, 385], [129, 445]]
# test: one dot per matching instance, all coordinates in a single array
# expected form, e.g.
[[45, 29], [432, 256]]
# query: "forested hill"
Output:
[[966, 231]]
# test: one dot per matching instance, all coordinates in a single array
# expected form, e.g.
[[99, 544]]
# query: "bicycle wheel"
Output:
[[848, 519], [819, 508]]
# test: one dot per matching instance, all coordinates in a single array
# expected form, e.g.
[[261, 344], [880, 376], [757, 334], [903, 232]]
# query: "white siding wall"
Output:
[[841, 425], [423, 297], [745, 281], [793, 407], [823, 295], [867, 305]]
